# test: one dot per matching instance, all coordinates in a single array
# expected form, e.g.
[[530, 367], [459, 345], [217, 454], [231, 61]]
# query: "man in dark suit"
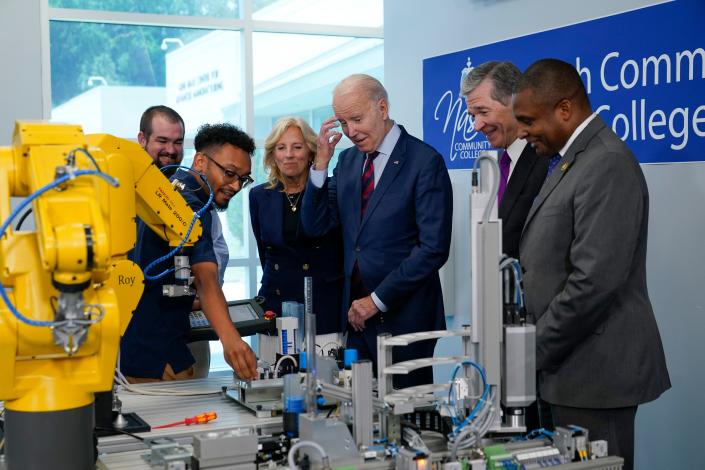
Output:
[[488, 90], [598, 348], [392, 198]]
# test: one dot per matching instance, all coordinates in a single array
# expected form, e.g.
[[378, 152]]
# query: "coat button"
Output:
[[276, 266], [305, 266], [277, 291], [357, 248]]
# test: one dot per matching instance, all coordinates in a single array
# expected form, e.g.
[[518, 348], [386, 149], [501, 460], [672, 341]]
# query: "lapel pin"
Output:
[[396, 162], [564, 166]]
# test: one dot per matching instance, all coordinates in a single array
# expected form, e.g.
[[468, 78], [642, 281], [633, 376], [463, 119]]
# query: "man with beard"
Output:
[[153, 346], [162, 136]]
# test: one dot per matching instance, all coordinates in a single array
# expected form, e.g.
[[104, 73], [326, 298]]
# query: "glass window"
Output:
[[103, 76], [236, 223], [294, 74], [236, 283], [367, 13], [214, 8], [259, 174]]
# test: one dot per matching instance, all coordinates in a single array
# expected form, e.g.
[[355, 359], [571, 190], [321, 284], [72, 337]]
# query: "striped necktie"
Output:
[[368, 181]]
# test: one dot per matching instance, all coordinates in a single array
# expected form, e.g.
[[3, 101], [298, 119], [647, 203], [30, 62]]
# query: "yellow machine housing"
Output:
[[83, 233]]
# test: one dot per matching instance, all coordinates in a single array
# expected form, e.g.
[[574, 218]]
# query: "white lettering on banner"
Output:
[[656, 66], [602, 72], [658, 70], [634, 73], [654, 70], [641, 124], [462, 124], [585, 74], [700, 52]]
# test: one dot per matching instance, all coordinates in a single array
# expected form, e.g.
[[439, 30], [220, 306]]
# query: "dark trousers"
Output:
[[366, 341], [538, 415], [615, 425]]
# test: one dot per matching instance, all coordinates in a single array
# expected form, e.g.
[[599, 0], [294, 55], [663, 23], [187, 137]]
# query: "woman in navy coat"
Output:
[[286, 253]]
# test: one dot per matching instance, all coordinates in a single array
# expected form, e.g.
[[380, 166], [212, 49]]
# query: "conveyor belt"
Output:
[[157, 410], [125, 461]]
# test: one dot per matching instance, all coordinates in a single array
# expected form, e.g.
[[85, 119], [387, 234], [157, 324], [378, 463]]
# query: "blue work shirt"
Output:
[[157, 333]]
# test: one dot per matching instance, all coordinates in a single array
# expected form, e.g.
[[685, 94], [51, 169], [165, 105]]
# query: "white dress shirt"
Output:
[[576, 133], [515, 150]]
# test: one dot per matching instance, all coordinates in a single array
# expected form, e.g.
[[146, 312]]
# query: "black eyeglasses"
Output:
[[230, 175]]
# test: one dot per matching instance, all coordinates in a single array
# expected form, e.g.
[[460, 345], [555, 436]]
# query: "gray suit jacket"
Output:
[[583, 250]]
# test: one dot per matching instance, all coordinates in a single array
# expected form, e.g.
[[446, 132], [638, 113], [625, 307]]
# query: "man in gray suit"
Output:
[[583, 249]]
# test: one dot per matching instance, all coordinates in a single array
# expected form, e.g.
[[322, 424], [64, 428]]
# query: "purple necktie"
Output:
[[504, 163]]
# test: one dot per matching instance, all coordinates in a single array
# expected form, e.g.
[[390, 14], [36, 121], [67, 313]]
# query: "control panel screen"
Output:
[[242, 312]]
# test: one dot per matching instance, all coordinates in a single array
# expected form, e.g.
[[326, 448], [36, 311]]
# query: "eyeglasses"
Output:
[[230, 175]]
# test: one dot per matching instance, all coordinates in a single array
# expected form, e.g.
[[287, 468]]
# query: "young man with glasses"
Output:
[[153, 346]]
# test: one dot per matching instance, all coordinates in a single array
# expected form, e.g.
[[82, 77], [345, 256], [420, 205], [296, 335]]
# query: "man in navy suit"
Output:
[[391, 196]]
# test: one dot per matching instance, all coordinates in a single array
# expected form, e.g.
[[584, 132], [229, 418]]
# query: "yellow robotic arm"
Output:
[[68, 288]]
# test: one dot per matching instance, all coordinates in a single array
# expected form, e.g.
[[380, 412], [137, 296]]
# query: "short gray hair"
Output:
[[369, 84], [504, 76]]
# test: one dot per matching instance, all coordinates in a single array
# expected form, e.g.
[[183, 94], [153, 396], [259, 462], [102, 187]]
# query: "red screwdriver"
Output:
[[203, 418]]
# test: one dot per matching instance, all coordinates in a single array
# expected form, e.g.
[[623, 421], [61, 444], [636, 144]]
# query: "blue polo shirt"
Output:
[[157, 333]]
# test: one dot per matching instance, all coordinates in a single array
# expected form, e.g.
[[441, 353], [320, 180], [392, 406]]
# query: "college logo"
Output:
[[457, 127]]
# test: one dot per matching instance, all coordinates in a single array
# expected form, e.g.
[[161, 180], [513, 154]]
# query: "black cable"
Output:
[[23, 218], [100, 428], [87, 154]]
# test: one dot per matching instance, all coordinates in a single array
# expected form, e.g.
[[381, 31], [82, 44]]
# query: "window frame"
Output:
[[246, 25]]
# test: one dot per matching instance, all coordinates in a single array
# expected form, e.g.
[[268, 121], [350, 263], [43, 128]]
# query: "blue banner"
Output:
[[644, 71]]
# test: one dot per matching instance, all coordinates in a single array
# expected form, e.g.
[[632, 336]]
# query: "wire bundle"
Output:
[[121, 380], [476, 424], [507, 263], [6, 224], [197, 215]]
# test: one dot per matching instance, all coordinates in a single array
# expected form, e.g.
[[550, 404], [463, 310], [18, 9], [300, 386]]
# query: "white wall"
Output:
[[109, 109], [20, 60], [418, 29]]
